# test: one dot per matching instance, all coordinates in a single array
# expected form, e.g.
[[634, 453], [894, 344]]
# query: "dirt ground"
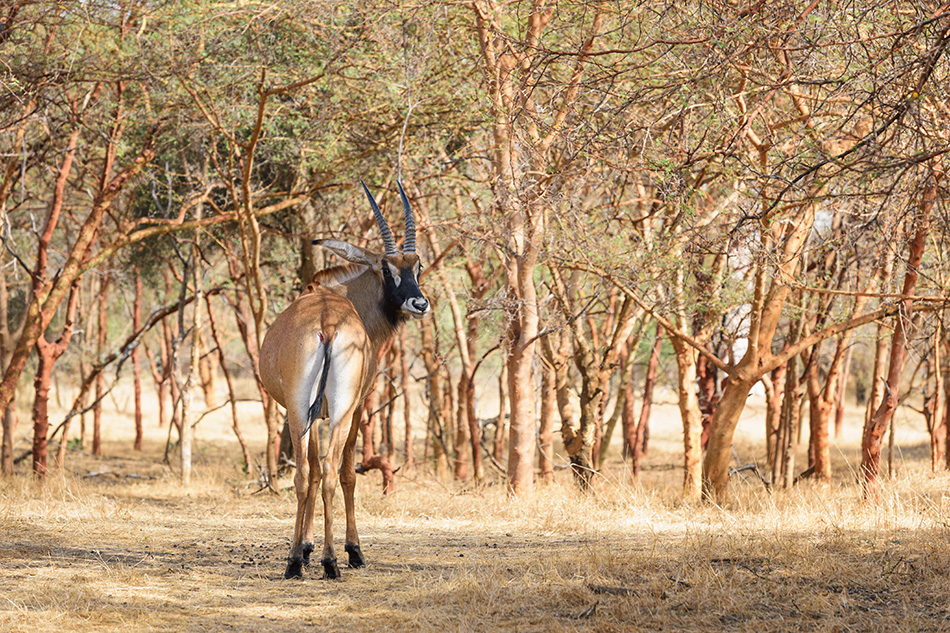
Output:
[[117, 544]]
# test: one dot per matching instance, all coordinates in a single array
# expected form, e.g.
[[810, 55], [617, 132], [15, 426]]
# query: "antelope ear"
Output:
[[351, 253]]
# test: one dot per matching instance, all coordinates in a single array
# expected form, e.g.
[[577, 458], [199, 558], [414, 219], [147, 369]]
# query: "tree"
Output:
[[595, 364], [874, 430]]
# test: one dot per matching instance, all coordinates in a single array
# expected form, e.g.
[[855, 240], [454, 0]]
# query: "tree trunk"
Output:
[[716, 464], [207, 374], [245, 314], [787, 239], [41, 383], [691, 418], [166, 407], [880, 350], [707, 381], [82, 415], [8, 338], [932, 407], [609, 426], [272, 445], [594, 363], [628, 423], [447, 414], [474, 429], [462, 430], [391, 395], [523, 422], [871, 444], [840, 393], [190, 386], [435, 433], [554, 347], [790, 424], [174, 387], [639, 443], [774, 390], [891, 435], [232, 396], [467, 433], [136, 365], [946, 414], [47, 354], [193, 380], [9, 428], [372, 461], [581, 453], [101, 339], [626, 360], [471, 415], [823, 399], [819, 415], [9, 416], [501, 423], [409, 464], [546, 432]]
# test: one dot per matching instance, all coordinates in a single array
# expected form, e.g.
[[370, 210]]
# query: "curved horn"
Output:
[[388, 240], [409, 246]]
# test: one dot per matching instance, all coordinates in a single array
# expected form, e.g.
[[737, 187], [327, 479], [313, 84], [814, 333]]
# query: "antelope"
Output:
[[318, 360]]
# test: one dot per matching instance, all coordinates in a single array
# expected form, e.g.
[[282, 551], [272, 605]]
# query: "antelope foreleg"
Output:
[[331, 476], [348, 483]]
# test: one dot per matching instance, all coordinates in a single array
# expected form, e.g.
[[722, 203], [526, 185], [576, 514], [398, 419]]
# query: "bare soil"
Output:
[[116, 544]]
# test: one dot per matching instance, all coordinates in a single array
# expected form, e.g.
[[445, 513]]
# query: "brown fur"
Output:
[[342, 307], [363, 287]]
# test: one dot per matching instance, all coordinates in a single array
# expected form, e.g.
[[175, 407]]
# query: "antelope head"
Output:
[[397, 273]]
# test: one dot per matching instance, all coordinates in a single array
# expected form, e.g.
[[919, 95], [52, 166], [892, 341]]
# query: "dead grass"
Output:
[[130, 550]]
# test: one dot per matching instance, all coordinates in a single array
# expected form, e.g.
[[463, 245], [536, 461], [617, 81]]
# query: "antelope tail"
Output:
[[317, 405]]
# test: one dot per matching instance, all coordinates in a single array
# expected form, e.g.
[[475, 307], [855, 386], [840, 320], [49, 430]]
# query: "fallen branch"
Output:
[[754, 468], [807, 474], [616, 591], [381, 463], [586, 614]]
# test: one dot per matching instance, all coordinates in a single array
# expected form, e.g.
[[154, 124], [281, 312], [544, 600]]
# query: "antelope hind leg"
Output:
[[348, 483], [299, 552]]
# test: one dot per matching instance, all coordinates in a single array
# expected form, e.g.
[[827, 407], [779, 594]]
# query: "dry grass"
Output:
[[129, 549]]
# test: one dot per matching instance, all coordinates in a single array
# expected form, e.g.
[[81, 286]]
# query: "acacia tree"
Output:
[[595, 364], [114, 105], [694, 172], [7, 337], [825, 393], [528, 123], [874, 430], [785, 153], [77, 107]]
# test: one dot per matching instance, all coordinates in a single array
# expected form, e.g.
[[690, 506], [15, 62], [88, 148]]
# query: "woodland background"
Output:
[[631, 215], [741, 192]]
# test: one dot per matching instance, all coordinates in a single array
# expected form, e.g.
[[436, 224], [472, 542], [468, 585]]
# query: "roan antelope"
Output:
[[318, 360]]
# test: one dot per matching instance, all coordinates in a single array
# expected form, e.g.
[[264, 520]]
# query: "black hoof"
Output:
[[307, 550], [330, 568], [356, 556], [294, 568]]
